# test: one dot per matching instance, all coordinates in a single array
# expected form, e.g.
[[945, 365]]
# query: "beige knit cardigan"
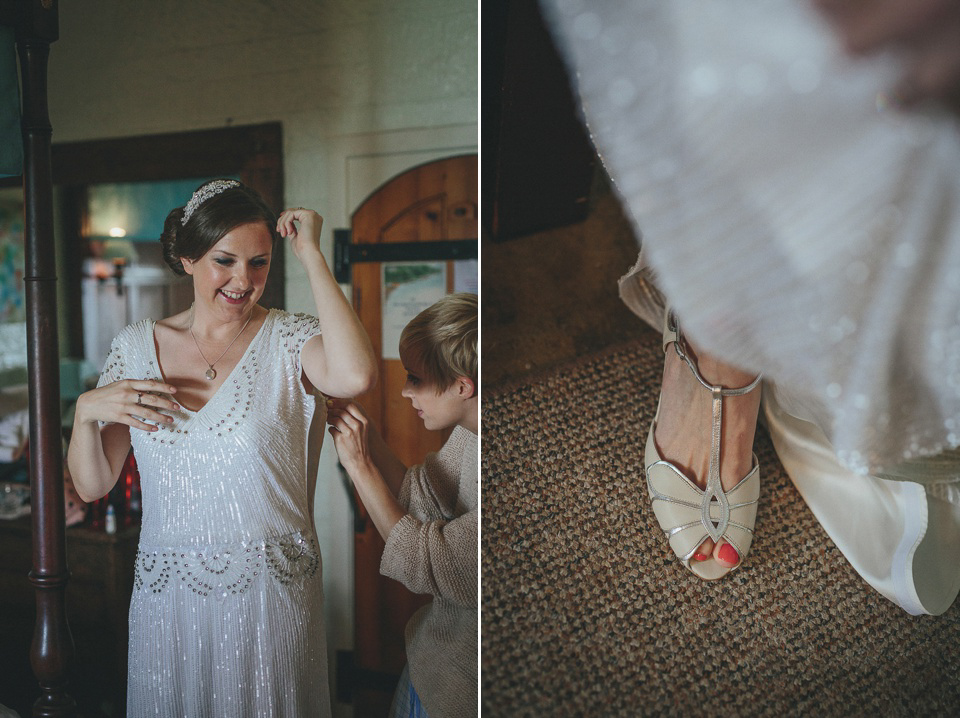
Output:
[[433, 549]]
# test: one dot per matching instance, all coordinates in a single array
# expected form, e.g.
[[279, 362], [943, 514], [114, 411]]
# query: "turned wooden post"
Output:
[[51, 654]]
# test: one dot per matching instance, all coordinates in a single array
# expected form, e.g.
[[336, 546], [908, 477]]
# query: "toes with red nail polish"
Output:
[[728, 554]]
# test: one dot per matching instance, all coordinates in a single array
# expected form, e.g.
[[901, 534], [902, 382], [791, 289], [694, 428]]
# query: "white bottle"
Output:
[[111, 520]]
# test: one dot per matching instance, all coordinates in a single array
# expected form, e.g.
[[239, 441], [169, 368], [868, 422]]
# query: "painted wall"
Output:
[[364, 89]]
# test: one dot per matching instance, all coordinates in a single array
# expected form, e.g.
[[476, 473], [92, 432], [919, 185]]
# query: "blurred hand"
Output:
[[926, 33]]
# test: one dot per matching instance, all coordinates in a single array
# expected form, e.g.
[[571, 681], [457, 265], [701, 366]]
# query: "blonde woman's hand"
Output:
[[304, 239], [129, 402], [349, 427]]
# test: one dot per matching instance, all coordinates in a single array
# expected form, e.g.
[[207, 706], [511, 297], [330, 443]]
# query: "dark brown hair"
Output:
[[213, 218]]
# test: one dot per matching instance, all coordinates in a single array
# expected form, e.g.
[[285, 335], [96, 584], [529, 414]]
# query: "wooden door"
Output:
[[432, 202]]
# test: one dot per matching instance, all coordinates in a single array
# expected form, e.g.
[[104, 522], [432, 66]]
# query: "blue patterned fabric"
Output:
[[11, 141], [406, 702]]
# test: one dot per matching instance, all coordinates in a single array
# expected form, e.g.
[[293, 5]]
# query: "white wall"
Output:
[[364, 89]]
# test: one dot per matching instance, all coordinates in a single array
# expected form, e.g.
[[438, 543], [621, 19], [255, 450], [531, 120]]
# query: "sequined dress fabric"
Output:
[[802, 227], [226, 617]]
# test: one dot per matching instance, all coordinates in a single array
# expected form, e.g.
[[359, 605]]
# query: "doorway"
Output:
[[432, 203]]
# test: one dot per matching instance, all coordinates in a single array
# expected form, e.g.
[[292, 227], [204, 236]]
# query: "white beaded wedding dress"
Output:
[[802, 227], [226, 617]]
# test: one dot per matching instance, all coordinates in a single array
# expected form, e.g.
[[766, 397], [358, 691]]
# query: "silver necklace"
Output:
[[211, 373]]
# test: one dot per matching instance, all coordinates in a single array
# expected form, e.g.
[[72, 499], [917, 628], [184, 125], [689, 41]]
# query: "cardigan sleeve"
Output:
[[438, 557], [433, 549]]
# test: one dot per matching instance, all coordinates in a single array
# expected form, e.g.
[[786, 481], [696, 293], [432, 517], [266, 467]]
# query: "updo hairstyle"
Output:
[[210, 221]]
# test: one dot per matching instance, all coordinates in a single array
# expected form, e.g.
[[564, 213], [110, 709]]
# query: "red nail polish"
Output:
[[728, 554], [700, 556]]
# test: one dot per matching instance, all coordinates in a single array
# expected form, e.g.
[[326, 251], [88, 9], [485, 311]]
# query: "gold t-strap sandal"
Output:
[[687, 513]]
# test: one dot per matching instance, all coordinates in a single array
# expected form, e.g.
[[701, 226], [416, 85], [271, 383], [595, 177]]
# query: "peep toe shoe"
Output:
[[688, 514]]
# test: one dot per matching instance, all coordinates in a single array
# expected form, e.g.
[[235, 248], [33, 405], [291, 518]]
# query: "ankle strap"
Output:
[[671, 328], [672, 334]]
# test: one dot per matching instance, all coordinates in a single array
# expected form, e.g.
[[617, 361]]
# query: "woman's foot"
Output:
[[685, 429]]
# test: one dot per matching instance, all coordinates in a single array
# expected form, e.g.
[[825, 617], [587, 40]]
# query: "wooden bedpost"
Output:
[[51, 654]]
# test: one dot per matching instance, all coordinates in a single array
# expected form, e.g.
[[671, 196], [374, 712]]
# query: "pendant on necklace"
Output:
[[210, 374]]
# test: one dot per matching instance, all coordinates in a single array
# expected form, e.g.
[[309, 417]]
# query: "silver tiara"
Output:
[[210, 189]]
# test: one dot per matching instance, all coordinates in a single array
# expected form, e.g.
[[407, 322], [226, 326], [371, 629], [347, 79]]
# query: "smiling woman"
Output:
[[228, 588]]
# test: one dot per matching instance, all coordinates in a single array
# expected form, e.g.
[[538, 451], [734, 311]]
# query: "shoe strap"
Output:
[[714, 488], [673, 335]]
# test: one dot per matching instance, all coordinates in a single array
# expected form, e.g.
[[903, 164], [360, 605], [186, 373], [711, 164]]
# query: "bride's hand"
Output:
[[306, 238], [128, 401]]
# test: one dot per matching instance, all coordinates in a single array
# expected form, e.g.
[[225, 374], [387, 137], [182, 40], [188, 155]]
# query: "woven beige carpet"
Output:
[[586, 613]]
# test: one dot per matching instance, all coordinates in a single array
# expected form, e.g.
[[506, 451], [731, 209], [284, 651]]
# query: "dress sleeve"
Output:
[[430, 550], [295, 331], [114, 368]]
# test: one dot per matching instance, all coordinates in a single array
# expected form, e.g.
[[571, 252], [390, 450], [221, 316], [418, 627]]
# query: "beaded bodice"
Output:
[[232, 475]]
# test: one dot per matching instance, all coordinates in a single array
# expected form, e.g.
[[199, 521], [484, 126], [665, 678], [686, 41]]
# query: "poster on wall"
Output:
[[408, 289], [465, 276], [12, 303]]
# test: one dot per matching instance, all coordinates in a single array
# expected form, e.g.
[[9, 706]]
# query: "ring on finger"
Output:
[[139, 398]]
